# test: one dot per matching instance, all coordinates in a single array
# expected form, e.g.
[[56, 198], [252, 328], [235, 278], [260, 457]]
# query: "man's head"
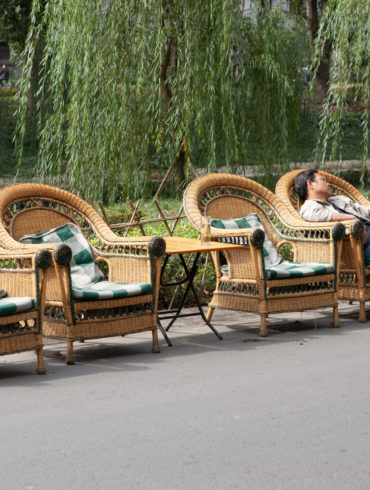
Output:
[[310, 184]]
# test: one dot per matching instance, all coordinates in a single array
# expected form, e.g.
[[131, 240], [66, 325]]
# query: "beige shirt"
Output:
[[317, 210]]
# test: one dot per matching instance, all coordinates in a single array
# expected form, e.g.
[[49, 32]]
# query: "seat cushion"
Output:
[[84, 271], [110, 290], [270, 254], [11, 305], [286, 270]]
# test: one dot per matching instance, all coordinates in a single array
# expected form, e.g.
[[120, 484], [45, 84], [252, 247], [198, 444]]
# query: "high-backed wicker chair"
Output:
[[33, 208], [21, 276], [245, 285], [354, 277]]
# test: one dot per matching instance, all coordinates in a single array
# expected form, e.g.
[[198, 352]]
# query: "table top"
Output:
[[182, 245]]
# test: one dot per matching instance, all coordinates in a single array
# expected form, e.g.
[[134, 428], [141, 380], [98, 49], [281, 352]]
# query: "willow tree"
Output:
[[126, 85], [345, 25]]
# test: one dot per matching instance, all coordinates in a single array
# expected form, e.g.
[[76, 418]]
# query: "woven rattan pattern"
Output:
[[245, 287], [32, 208]]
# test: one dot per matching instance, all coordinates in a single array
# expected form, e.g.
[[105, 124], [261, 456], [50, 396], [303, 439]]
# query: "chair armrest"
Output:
[[35, 259], [19, 271], [250, 236]]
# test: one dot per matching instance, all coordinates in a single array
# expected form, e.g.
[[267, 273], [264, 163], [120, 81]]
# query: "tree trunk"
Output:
[[312, 23], [323, 73]]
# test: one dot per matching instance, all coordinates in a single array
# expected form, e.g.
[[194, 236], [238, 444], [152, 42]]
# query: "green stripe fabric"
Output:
[[11, 305], [287, 270], [275, 267], [270, 255], [84, 271], [86, 277], [109, 290]]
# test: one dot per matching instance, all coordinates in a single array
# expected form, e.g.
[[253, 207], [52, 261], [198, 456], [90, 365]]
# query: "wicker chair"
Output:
[[245, 285], [34, 208], [354, 277], [21, 276]]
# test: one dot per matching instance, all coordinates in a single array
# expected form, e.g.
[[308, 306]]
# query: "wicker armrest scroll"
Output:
[[63, 254], [357, 229], [43, 259], [255, 236], [156, 246], [338, 232]]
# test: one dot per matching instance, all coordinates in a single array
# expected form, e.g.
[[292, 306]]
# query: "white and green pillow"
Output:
[[270, 254], [275, 266], [86, 277], [84, 271]]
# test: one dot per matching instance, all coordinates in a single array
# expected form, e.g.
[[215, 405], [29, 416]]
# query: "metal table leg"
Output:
[[176, 313]]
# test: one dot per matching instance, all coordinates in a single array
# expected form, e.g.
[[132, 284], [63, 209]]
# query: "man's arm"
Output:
[[341, 216]]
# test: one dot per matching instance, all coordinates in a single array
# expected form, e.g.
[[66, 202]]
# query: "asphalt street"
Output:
[[287, 412]]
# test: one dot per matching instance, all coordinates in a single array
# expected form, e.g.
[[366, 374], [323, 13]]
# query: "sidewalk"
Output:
[[289, 411]]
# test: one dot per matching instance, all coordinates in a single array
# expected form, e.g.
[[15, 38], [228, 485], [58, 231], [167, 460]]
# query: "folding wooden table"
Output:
[[181, 246]]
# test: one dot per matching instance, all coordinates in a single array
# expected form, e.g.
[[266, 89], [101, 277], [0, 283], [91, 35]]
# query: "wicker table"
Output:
[[181, 246]]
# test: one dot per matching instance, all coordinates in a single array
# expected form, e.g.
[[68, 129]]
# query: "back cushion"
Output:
[[84, 271], [270, 255]]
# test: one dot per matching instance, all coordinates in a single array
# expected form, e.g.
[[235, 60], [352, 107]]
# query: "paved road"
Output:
[[290, 411]]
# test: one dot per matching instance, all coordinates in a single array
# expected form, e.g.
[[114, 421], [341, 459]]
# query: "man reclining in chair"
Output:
[[320, 205]]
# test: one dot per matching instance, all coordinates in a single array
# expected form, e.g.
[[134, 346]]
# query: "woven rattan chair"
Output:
[[244, 284], [21, 276], [33, 208], [354, 277]]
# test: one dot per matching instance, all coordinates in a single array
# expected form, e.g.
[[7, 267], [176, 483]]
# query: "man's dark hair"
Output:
[[300, 182]]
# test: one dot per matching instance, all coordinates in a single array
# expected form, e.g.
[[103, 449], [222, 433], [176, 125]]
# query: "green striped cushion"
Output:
[[11, 305], [286, 270], [270, 255], [110, 290], [84, 271]]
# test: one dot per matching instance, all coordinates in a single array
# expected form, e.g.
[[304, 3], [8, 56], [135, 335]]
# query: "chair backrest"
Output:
[[285, 190], [32, 208], [227, 196]]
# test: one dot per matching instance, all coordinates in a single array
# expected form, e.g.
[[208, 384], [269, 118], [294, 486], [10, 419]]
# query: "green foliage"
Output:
[[8, 166], [272, 57], [127, 85], [14, 21], [205, 279], [345, 25]]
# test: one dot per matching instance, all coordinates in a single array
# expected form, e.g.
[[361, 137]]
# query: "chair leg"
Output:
[[70, 357], [335, 322], [362, 313], [155, 345], [210, 313], [40, 361], [263, 326]]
